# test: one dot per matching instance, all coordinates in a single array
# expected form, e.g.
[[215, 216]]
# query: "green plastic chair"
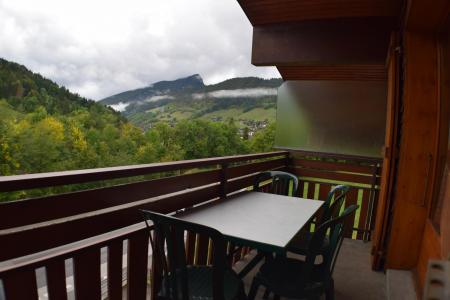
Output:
[[299, 244], [181, 281], [280, 182], [297, 279]]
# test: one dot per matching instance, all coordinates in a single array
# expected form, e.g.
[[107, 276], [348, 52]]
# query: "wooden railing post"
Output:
[[289, 161], [372, 203], [223, 180]]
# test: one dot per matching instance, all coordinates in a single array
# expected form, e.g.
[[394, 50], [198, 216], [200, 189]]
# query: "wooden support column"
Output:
[[417, 149]]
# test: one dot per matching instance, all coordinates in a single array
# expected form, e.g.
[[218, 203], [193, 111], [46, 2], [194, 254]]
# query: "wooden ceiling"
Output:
[[261, 12], [323, 39]]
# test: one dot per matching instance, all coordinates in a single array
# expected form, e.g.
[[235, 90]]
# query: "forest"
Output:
[[44, 128]]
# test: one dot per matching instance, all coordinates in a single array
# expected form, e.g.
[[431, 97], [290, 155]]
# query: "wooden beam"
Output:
[[417, 150], [362, 41], [261, 12], [336, 72], [427, 15]]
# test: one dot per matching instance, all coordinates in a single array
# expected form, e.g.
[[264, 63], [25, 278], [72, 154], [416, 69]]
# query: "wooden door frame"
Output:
[[390, 153]]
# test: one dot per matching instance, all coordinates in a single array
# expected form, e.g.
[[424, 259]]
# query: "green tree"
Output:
[[263, 140]]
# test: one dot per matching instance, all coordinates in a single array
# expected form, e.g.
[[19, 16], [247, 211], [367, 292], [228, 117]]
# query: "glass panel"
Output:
[[342, 117]]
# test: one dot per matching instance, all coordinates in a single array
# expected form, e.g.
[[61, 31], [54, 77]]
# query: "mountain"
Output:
[[22, 91], [249, 100]]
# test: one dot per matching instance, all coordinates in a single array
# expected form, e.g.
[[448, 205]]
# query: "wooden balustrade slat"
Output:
[[20, 284], [86, 272], [371, 212], [190, 248], [311, 190], [120, 206], [333, 166], [64, 205], [324, 189], [202, 249], [29, 181], [114, 270], [56, 280], [41, 238], [210, 253], [137, 265], [351, 198], [361, 235], [301, 188], [156, 271]]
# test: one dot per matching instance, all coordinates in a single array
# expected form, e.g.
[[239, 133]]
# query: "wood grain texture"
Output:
[[429, 249], [333, 166], [380, 236], [350, 199], [34, 239], [322, 43], [364, 209], [115, 270], [56, 280], [355, 178], [427, 15], [137, 265], [277, 11], [40, 180], [69, 204], [15, 281], [86, 272], [417, 150], [336, 72]]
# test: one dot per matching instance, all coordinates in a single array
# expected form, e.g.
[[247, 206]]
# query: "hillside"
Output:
[[26, 91], [250, 101], [45, 128]]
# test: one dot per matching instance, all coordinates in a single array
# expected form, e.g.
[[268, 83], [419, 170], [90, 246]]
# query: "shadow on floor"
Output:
[[354, 279]]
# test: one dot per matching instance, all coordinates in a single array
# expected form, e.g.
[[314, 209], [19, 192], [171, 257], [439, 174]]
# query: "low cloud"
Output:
[[119, 106], [159, 97], [247, 93]]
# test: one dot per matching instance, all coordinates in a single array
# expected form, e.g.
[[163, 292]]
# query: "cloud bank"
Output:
[[250, 93], [119, 106], [103, 47]]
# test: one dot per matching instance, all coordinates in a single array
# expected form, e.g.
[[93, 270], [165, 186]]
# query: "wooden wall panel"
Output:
[[380, 234], [445, 221], [430, 249], [322, 43], [426, 15], [417, 149]]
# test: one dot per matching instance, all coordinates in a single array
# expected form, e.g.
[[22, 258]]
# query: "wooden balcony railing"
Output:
[[44, 232], [319, 172]]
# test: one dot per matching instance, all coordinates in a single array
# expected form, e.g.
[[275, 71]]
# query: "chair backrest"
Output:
[[332, 210], [336, 236], [169, 251], [280, 182]]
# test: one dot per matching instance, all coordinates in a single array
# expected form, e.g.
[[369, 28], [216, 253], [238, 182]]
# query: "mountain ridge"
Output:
[[249, 100]]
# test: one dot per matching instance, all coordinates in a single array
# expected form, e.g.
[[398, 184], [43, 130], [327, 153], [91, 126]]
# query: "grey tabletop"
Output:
[[261, 220]]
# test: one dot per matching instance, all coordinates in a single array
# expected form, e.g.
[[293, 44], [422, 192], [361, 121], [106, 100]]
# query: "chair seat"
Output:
[[200, 284], [300, 243], [282, 276]]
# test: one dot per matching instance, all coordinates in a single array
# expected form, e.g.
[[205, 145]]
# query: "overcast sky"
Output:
[[101, 47]]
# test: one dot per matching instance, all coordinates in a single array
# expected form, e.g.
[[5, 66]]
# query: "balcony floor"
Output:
[[353, 276]]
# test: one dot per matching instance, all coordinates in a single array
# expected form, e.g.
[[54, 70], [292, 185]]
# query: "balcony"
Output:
[[90, 242]]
